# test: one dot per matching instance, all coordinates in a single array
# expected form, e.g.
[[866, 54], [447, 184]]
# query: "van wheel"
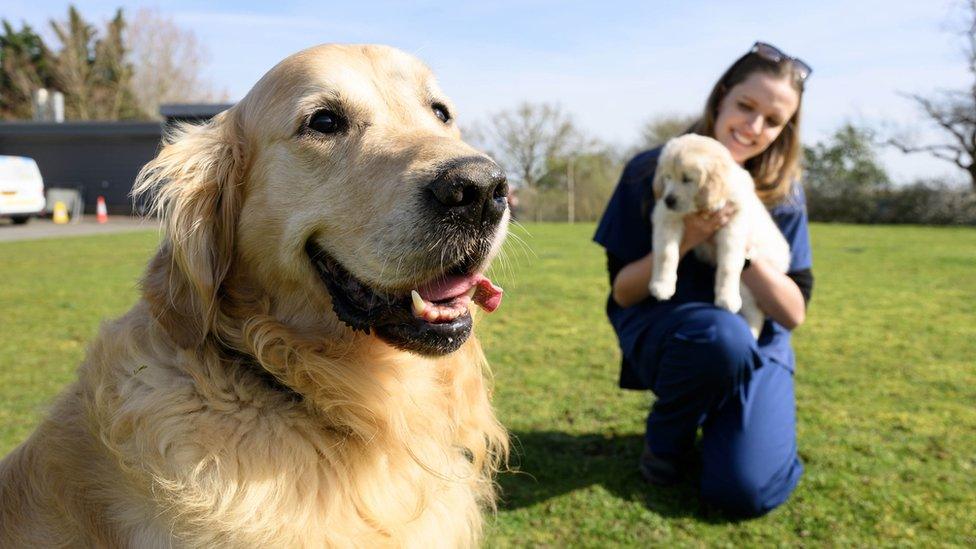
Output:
[[20, 219]]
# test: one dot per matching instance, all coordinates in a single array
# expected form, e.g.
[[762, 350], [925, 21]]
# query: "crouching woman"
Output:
[[702, 362]]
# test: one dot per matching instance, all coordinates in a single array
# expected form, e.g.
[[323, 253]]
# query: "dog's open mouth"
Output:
[[432, 319]]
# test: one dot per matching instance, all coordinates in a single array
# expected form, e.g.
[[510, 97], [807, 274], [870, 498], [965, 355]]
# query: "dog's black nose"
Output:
[[670, 201], [473, 188]]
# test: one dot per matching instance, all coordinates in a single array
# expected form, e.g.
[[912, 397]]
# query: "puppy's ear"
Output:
[[658, 184], [194, 184], [663, 164], [713, 189]]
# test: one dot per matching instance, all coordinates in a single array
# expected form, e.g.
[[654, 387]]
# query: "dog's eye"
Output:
[[327, 121], [685, 178], [441, 112]]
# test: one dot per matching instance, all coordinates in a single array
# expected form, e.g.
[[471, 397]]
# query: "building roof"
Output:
[[197, 110], [80, 128]]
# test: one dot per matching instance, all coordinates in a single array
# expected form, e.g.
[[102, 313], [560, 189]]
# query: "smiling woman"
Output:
[[703, 362], [753, 113], [754, 110]]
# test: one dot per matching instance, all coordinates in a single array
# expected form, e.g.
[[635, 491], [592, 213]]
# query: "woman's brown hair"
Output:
[[775, 169]]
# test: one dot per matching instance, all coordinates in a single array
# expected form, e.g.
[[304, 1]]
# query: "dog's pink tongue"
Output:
[[486, 294]]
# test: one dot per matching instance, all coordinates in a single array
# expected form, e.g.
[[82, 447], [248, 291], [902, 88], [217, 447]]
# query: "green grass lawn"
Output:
[[886, 387]]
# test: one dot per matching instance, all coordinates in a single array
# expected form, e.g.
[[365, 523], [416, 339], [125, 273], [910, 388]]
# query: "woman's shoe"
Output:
[[657, 470]]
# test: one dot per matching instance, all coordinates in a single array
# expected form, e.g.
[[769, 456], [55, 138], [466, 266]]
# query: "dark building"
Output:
[[97, 158], [191, 113]]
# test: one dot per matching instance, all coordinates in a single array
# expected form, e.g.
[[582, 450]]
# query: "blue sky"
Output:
[[613, 65]]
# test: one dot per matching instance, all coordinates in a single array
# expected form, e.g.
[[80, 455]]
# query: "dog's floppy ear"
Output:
[[194, 184], [714, 190], [658, 184], [663, 164]]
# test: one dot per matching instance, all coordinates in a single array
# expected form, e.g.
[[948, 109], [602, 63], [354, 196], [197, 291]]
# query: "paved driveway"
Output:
[[44, 228]]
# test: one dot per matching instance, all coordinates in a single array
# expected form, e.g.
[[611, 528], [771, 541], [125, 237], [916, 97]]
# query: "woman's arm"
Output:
[[630, 285], [776, 294]]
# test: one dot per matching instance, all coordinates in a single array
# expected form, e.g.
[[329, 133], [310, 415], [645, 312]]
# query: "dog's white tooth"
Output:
[[471, 291], [418, 303]]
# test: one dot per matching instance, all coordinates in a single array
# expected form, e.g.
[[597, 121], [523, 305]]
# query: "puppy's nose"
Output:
[[670, 201], [473, 188]]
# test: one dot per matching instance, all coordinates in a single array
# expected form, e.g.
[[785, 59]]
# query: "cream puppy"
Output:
[[697, 174]]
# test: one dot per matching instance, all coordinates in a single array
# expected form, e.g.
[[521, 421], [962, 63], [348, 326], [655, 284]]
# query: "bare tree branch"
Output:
[[970, 41], [942, 116], [525, 137], [952, 111], [942, 152], [169, 63]]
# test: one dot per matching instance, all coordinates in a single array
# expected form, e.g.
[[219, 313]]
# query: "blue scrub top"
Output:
[[625, 232]]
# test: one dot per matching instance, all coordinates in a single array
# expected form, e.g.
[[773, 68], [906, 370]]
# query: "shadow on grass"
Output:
[[548, 464]]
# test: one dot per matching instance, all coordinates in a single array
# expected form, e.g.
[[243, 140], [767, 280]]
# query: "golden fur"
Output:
[[172, 437]]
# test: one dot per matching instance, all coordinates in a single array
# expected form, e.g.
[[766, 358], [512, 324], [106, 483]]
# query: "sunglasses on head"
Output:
[[770, 52]]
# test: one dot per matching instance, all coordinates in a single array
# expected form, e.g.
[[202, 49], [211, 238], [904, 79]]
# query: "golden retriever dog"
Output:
[[697, 174], [299, 370]]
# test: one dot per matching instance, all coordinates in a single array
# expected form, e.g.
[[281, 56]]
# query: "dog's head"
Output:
[[336, 196], [693, 174]]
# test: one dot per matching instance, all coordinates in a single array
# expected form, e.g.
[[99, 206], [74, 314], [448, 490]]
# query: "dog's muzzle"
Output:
[[462, 209]]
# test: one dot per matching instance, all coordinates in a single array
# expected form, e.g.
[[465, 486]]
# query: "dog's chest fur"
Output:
[[222, 461]]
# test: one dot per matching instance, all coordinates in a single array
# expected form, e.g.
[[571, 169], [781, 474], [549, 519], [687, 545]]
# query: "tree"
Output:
[[113, 91], [168, 63], [659, 129], [525, 138], [73, 64], [93, 72], [843, 177], [846, 161], [124, 72], [577, 186], [953, 112], [25, 66]]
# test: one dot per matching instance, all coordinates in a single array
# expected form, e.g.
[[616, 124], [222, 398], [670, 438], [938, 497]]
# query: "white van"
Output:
[[21, 188]]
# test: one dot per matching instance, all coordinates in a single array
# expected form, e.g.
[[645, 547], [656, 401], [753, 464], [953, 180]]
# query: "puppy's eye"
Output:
[[685, 178], [327, 121], [441, 112]]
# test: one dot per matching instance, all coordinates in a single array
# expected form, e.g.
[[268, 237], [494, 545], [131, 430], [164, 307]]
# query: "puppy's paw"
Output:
[[731, 302], [662, 289]]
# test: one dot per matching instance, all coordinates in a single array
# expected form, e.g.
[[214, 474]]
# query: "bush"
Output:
[[921, 203], [595, 175]]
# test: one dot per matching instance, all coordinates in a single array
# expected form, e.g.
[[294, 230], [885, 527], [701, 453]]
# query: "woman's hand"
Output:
[[701, 227], [630, 286]]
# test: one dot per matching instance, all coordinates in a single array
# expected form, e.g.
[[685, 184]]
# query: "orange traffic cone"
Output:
[[101, 210]]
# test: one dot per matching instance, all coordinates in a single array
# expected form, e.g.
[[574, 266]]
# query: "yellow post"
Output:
[[60, 213]]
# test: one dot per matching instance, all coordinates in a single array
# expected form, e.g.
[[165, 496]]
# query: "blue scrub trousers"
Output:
[[707, 370]]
